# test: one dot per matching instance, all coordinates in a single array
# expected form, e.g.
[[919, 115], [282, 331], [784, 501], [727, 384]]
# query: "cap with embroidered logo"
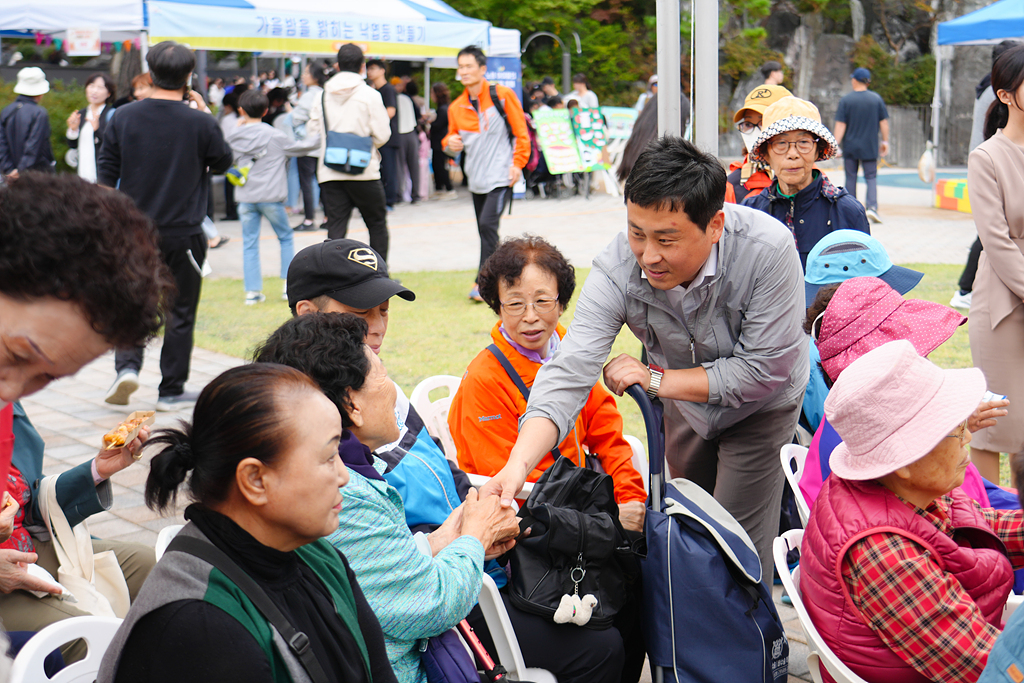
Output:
[[348, 271]]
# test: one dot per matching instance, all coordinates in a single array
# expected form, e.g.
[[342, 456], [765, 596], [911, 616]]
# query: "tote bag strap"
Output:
[[72, 545]]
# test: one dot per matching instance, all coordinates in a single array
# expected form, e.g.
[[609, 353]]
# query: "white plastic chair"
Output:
[[505, 641], [819, 653], [97, 632], [1012, 603], [793, 460], [164, 538], [435, 413], [640, 463]]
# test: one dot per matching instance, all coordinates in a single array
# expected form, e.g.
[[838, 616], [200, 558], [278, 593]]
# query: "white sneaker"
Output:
[[124, 386], [873, 216], [254, 298], [448, 196], [961, 300]]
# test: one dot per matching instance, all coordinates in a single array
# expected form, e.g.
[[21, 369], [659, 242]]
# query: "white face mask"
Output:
[[750, 138]]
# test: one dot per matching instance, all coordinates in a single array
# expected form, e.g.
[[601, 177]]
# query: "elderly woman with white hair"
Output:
[[903, 574], [792, 139]]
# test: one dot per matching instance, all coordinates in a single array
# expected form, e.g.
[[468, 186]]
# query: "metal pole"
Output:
[[255, 69], [668, 67], [705, 75], [144, 49], [426, 82], [566, 71], [937, 103], [201, 73]]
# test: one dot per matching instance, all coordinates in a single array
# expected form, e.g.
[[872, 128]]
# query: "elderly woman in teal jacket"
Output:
[[418, 586]]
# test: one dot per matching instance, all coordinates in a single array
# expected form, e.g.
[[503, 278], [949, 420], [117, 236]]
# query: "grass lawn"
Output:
[[441, 332]]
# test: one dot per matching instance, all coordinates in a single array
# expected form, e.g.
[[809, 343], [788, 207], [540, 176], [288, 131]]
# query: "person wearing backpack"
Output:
[[353, 110], [261, 186], [487, 123]]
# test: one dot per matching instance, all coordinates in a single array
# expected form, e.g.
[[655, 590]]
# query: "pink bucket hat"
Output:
[[892, 407], [865, 313]]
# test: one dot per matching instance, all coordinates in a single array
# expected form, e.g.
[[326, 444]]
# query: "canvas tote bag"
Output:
[[95, 579]]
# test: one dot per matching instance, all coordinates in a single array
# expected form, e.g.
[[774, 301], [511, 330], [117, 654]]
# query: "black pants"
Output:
[[230, 207], [409, 157], [307, 176], [488, 216], [572, 653], [442, 181], [388, 172], [971, 269], [176, 356], [340, 196]]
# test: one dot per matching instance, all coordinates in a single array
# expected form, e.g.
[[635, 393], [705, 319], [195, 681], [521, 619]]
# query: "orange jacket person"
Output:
[[495, 157], [484, 414]]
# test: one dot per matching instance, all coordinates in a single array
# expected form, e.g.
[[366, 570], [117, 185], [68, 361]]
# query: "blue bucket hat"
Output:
[[846, 254]]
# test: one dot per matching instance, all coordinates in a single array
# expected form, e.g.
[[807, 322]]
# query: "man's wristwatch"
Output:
[[656, 375]]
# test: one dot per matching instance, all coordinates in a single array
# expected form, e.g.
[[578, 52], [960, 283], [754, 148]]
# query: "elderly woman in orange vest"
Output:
[[528, 283], [903, 574]]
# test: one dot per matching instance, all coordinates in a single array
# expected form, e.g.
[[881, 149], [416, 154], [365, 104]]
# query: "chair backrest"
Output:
[[97, 632], [639, 461], [500, 626], [164, 538], [819, 652], [435, 413], [793, 460]]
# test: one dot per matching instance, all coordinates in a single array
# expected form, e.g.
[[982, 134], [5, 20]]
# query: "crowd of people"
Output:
[[764, 308]]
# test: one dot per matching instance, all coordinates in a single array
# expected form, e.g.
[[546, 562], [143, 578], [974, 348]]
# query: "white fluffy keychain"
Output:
[[574, 609]]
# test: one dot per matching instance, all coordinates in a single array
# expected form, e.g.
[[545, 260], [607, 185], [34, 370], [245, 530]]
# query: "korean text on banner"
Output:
[[554, 133]]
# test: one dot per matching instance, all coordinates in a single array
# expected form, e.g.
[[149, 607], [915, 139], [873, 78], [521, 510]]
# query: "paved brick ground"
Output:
[[72, 417]]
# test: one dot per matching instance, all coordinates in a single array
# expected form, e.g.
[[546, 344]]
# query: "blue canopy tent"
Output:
[[999, 21]]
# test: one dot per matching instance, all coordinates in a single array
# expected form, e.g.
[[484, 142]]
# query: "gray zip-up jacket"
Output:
[[268, 177], [746, 332]]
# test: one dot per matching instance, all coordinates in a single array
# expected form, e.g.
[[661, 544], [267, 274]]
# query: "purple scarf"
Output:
[[529, 354], [356, 456]]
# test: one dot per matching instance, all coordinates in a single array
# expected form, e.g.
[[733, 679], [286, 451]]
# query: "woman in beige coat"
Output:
[[995, 172]]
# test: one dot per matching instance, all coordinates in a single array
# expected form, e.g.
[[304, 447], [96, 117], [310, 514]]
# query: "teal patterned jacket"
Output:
[[413, 595]]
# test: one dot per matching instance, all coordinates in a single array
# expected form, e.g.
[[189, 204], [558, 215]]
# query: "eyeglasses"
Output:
[[518, 308], [960, 433], [747, 127], [804, 146]]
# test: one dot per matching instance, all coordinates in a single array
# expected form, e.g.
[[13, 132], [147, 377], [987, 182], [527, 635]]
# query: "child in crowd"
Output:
[[264, 150]]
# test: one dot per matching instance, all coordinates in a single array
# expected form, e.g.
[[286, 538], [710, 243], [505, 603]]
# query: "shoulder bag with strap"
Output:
[[95, 579], [298, 642], [345, 152], [238, 174], [518, 381]]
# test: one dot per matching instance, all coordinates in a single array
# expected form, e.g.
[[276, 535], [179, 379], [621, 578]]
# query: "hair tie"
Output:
[[183, 451]]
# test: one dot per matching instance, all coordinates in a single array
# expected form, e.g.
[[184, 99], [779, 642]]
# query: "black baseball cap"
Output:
[[349, 272]]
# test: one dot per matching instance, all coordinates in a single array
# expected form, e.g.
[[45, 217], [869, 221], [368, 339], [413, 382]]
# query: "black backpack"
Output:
[[577, 545]]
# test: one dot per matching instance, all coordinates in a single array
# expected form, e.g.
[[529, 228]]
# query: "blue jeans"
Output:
[[870, 179], [251, 215], [293, 183]]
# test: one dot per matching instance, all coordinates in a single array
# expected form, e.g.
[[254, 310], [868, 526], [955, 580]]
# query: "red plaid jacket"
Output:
[[918, 610]]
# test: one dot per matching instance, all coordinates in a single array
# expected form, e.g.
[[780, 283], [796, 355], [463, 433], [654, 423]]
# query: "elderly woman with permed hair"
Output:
[[801, 197]]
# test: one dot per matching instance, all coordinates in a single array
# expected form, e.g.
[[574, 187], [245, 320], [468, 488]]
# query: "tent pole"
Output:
[[201, 73], [705, 75], [669, 84], [144, 49], [255, 70], [426, 82], [937, 103]]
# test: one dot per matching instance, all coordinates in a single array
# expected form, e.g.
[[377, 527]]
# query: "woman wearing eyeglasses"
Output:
[[528, 283], [904, 576], [792, 139]]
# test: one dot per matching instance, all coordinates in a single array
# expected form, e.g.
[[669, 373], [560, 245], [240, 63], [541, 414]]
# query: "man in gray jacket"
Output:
[[714, 294]]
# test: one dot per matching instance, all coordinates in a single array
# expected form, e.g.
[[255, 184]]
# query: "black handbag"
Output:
[[576, 546]]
